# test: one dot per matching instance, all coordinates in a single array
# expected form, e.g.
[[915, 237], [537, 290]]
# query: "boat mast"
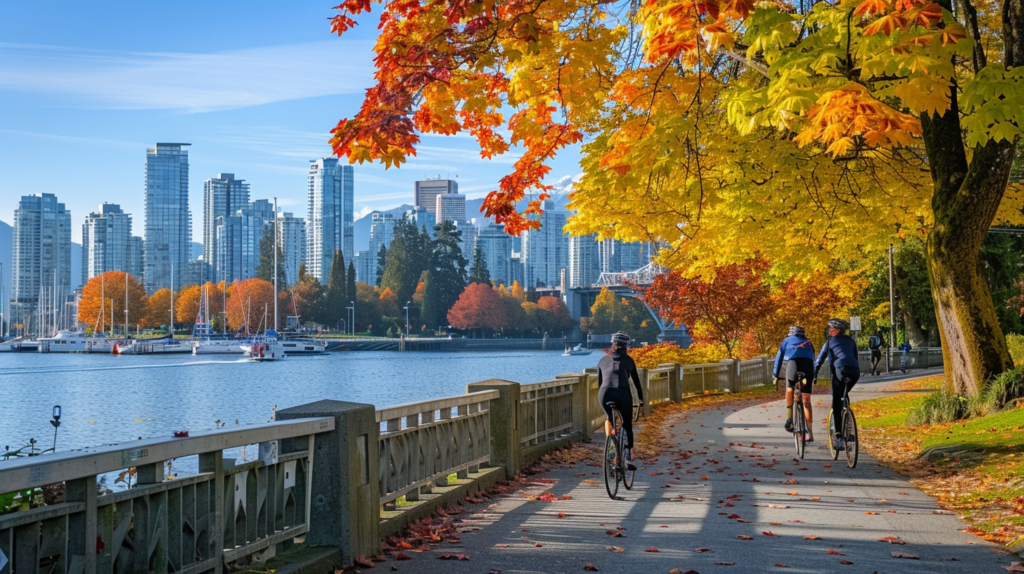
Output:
[[3, 332], [275, 265], [103, 300], [171, 328], [126, 304]]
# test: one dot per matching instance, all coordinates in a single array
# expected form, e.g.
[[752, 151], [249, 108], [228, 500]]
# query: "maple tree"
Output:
[[158, 309], [110, 286], [188, 300], [728, 129], [251, 305], [478, 307]]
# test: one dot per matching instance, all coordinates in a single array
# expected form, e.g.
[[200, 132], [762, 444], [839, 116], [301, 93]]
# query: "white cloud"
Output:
[[188, 82]]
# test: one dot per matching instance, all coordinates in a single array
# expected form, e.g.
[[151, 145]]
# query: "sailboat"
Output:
[[203, 340]]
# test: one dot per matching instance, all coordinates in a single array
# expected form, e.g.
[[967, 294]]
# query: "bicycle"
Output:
[[849, 432], [615, 469], [799, 418]]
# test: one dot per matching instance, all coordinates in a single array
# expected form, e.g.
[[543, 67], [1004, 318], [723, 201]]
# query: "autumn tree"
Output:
[[808, 133], [558, 320], [478, 308], [251, 306], [512, 300], [388, 304], [307, 294], [368, 314], [158, 311], [186, 304], [110, 286]]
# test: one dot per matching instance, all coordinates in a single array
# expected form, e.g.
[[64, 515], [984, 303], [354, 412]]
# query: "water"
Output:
[[109, 399]]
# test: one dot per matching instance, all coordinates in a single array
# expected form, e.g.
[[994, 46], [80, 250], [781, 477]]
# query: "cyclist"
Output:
[[841, 351], [614, 371], [798, 352], [875, 344], [904, 349]]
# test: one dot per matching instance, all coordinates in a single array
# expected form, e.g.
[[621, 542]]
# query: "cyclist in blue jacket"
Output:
[[841, 352], [798, 352]]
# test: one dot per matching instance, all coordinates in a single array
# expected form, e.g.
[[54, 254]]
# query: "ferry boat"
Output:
[[577, 350]]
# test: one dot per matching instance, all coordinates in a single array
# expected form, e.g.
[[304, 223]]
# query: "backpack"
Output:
[[874, 342]]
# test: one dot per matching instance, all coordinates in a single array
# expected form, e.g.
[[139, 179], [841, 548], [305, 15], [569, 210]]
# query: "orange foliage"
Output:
[[112, 287], [187, 302], [479, 307], [653, 355], [251, 305], [159, 312]]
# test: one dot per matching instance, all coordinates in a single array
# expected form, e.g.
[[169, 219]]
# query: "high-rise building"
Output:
[[545, 250], [584, 261], [41, 258], [329, 215], [422, 218], [617, 256], [198, 272], [238, 241], [467, 239], [291, 236], [168, 220], [427, 191], [222, 197], [133, 263], [450, 207], [107, 242], [366, 267], [382, 232], [496, 247]]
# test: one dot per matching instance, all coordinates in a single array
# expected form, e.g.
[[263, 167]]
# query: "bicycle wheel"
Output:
[[627, 475], [799, 428], [611, 470], [831, 433], [850, 437]]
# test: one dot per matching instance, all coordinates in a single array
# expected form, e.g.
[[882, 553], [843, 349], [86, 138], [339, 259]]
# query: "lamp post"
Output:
[[407, 303], [352, 309]]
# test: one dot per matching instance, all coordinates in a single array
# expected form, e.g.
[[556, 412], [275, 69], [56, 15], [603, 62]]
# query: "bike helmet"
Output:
[[620, 337], [797, 331], [839, 324]]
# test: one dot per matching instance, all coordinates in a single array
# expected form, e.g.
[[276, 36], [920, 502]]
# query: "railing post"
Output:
[[675, 383], [213, 462], [580, 396], [732, 369], [82, 528], [506, 434], [345, 497]]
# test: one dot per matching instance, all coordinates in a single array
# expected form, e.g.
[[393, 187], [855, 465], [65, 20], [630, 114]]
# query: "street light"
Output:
[[352, 308], [407, 303]]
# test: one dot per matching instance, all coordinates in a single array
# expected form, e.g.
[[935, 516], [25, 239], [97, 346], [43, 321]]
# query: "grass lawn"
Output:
[[978, 471]]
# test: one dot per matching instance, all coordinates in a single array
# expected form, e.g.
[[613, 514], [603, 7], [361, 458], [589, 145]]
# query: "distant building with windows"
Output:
[[292, 242], [584, 261], [365, 264], [41, 258], [450, 207], [223, 196], [108, 244], [617, 256], [426, 192], [329, 215], [238, 241], [546, 250], [422, 218], [168, 227], [496, 248]]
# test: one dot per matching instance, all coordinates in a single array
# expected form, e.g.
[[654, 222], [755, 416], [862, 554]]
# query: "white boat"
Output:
[[288, 346], [66, 341], [266, 350], [220, 347], [577, 350], [164, 346], [19, 344]]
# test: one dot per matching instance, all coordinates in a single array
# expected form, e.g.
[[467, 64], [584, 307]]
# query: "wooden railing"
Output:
[[545, 411], [421, 444], [191, 524]]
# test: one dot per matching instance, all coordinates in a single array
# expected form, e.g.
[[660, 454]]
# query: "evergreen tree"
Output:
[[407, 258], [447, 275], [382, 259], [336, 297], [479, 272], [265, 268]]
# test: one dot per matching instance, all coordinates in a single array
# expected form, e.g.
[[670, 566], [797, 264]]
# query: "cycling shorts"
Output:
[[800, 365]]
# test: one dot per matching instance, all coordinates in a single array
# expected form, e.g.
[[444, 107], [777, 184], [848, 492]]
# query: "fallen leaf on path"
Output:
[[650, 549], [797, 521], [847, 562], [561, 515], [898, 554], [768, 533], [725, 563], [812, 537], [869, 512], [447, 556], [501, 545], [538, 545], [614, 548], [590, 568], [904, 493], [891, 540], [733, 516], [1015, 567], [782, 566], [836, 552], [401, 556], [777, 506], [703, 550], [615, 533], [744, 537]]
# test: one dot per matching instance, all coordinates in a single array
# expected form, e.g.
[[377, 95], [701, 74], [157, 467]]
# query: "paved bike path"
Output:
[[730, 474]]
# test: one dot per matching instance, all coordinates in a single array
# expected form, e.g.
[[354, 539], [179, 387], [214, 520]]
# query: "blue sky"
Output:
[[254, 86]]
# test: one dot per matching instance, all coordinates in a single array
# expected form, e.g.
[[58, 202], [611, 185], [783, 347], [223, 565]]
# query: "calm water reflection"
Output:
[[108, 399]]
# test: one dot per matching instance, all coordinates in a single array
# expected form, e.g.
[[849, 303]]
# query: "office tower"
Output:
[[496, 247], [450, 207], [422, 218], [366, 267], [584, 261], [168, 231], [42, 257], [329, 215], [238, 239], [467, 239], [545, 250], [222, 197], [617, 256], [107, 242], [198, 272], [291, 235], [133, 261], [427, 191]]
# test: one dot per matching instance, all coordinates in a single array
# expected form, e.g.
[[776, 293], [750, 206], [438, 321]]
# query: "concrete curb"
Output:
[[394, 521]]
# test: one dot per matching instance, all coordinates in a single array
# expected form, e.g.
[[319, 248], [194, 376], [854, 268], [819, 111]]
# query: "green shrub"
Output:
[[1004, 389], [940, 407], [1016, 344]]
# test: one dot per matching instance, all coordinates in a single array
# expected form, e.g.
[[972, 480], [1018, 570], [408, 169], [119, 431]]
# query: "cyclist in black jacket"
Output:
[[613, 374], [841, 352]]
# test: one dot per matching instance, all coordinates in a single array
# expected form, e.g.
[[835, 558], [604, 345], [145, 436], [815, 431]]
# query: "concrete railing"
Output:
[[696, 379], [192, 524], [546, 411], [421, 444]]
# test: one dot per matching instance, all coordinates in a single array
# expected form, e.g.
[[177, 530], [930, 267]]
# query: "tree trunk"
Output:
[[915, 334]]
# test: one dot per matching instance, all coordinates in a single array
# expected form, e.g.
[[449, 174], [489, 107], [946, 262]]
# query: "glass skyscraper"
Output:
[[42, 257], [496, 247], [168, 220], [584, 261], [292, 241], [222, 197], [107, 242], [546, 250], [329, 215], [238, 240]]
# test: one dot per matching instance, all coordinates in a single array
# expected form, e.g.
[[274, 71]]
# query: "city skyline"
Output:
[[257, 100]]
